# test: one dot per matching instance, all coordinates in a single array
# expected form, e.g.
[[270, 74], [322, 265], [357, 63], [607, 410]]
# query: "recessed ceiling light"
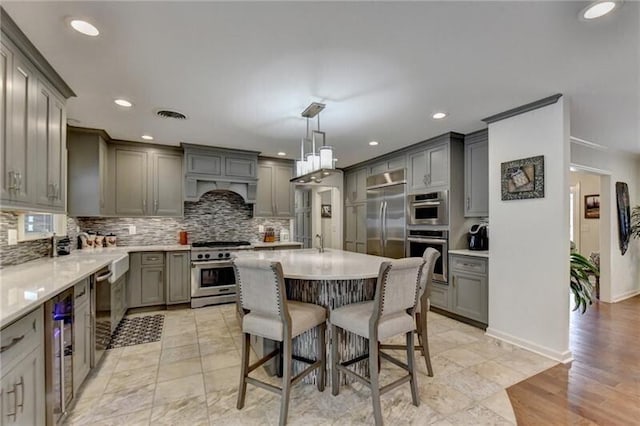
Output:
[[282, 153], [439, 115], [374, 143], [597, 9], [325, 173], [84, 27], [147, 137], [301, 181], [123, 103]]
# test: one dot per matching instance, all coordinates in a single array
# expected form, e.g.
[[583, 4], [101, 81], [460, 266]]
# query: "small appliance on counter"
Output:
[[479, 237], [63, 246]]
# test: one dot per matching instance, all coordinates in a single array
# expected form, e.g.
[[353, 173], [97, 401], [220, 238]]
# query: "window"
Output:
[[35, 226]]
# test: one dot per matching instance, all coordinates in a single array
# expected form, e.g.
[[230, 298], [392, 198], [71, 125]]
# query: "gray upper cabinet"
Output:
[[476, 174], [131, 175], [220, 162], [178, 286], [33, 137], [167, 184], [88, 175], [240, 167], [356, 186], [385, 165], [148, 181], [204, 163], [274, 195], [429, 168]]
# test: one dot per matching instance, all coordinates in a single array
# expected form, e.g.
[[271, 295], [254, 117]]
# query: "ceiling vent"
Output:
[[169, 113]]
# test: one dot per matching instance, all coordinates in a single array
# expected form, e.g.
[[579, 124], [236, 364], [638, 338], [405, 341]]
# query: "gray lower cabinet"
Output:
[[148, 181], [469, 287], [82, 344], [440, 296], [118, 301], [146, 279], [355, 228], [274, 193], [178, 286], [476, 174], [22, 382]]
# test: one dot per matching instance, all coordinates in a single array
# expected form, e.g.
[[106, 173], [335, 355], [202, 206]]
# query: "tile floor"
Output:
[[191, 377]]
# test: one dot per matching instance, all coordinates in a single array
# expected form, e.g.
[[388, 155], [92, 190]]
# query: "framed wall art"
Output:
[[325, 210], [592, 206], [523, 179]]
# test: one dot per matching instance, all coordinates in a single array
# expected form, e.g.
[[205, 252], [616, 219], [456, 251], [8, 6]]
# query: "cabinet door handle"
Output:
[[155, 206], [14, 342], [21, 404], [468, 203], [15, 410], [453, 281], [428, 178], [84, 291], [11, 179], [18, 181], [144, 206]]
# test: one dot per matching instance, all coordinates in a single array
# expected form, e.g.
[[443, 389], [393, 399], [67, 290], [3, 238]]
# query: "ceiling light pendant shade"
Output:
[[316, 164], [598, 9]]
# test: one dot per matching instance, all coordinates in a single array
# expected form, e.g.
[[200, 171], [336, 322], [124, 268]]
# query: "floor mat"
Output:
[[137, 330]]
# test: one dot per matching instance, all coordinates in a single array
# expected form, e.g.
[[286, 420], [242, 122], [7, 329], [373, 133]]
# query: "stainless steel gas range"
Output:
[[212, 278]]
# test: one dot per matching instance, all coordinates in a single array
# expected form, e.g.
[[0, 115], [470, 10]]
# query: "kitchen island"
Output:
[[331, 279]]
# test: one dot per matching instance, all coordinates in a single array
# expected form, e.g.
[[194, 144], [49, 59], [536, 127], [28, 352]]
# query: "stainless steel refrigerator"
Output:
[[387, 214]]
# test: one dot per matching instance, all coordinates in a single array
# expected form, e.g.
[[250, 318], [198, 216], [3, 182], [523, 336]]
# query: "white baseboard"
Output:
[[624, 296], [563, 357]]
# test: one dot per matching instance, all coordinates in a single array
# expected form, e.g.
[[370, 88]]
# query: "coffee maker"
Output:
[[479, 237]]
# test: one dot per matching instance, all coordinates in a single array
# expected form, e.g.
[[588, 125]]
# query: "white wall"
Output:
[[620, 275], [529, 263], [588, 228]]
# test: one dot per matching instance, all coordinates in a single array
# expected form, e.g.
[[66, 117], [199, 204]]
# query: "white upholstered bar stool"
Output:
[[430, 257], [266, 312], [390, 313]]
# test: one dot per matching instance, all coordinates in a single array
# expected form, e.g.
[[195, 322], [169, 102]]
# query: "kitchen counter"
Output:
[[309, 264], [467, 252], [26, 286]]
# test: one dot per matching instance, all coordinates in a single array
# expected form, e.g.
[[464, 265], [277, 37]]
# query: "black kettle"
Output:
[[478, 237]]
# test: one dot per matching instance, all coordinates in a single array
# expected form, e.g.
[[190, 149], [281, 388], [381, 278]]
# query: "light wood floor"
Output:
[[602, 385]]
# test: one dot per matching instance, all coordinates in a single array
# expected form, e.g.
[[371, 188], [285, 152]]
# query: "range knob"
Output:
[[227, 255], [199, 256], [220, 255], [206, 256]]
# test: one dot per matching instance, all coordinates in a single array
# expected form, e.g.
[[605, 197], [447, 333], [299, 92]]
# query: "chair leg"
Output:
[[375, 380], [419, 332], [411, 363], [335, 360], [242, 389], [286, 381], [322, 356], [425, 350]]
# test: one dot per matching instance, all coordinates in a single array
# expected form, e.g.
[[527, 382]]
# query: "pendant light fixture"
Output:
[[315, 164]]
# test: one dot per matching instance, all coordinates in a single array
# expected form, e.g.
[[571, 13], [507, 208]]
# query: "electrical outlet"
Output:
[[12, 237], [132, 230], [260, 228]]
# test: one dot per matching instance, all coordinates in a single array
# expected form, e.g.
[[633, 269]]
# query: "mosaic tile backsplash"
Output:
[[218, 215]]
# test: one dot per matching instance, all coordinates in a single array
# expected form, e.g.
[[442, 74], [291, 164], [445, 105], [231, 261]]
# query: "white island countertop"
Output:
[[309, 264], [467, 252], [26, 286]]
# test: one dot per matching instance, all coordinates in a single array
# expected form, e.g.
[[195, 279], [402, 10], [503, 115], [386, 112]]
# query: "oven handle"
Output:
[[426, 203], [427, 240], [216, 264]]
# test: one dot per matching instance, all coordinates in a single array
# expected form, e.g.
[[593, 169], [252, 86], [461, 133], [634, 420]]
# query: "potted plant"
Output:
[[581, 269]]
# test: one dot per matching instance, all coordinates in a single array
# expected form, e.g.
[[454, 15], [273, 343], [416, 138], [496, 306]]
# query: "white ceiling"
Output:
[[243, 72]]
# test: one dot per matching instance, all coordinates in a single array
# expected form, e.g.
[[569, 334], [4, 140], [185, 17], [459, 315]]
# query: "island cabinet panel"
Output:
[[178, 277], [274, 194], [22, 387], [440, 296], [356, 186], [469, 287], [476, 174], [81, 333]]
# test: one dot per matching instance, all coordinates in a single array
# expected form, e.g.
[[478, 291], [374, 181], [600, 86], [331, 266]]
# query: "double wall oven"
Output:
[[213, 279]]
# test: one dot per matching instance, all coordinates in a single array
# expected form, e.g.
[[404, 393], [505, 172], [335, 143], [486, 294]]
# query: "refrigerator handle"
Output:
[[384, 223], [381, 225]]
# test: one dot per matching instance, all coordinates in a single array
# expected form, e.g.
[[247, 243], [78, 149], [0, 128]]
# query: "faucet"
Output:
[[321, 248]]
